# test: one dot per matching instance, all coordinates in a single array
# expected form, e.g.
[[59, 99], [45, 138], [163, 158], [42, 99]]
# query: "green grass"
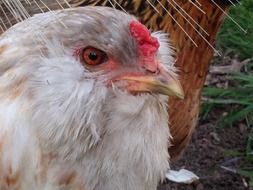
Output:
[[237, 99], [231, 37], [244, 171], [239, 95]]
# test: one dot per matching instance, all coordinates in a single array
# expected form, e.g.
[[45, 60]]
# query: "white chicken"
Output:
[[83, 102]]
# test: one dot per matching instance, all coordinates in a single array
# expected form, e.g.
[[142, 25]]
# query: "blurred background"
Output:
[[221, 151]]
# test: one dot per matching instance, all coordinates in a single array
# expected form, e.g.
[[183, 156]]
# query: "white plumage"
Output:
[[68, 125]]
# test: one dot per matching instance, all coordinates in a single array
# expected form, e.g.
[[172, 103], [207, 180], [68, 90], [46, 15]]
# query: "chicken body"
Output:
[[69, 125]]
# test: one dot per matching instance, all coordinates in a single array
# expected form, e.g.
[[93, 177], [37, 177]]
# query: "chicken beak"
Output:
[[165, 84]]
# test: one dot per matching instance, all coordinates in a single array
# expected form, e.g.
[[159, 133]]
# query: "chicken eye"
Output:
[[93, 56]]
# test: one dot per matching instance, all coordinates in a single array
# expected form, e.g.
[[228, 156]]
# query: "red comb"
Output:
[[148, 45]]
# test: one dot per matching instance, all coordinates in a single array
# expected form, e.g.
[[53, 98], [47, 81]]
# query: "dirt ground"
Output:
[[208, 157]]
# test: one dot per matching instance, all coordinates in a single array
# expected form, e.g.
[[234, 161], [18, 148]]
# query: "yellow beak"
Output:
[[161, 84]]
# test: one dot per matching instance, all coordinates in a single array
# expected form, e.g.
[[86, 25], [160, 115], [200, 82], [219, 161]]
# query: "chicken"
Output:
[[86, 108], [193, 61]]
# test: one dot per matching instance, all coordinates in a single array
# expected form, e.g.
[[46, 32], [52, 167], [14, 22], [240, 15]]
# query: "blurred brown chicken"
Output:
[[192, 60]]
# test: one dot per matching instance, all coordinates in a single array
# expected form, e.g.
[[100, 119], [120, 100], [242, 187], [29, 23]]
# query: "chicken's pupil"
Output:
[[93, 56]]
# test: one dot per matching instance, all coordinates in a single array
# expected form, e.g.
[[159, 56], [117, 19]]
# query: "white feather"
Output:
[[64, 118]]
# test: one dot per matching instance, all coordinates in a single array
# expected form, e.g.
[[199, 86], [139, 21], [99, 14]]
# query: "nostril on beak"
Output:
[[155, 72], [151, 66]]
